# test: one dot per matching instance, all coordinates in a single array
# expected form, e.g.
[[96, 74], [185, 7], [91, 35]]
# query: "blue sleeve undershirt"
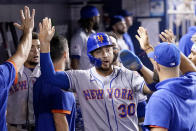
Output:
[[59, 79]]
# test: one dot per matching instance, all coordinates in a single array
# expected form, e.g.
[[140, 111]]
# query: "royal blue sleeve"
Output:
[[59, 79], [158, 112], [63, 102], [7, 74]]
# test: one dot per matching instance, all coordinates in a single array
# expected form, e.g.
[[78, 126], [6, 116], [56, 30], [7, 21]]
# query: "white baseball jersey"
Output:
[[79, 48], [107, 103], [122, 44], [17, 99]]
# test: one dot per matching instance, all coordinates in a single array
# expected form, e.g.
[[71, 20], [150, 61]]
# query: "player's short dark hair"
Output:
[[34, 36], [58, 45]]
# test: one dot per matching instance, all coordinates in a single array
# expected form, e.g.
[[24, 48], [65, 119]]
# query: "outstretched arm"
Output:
[[46, 33], [186, 65], [24, 47], [143, 39]]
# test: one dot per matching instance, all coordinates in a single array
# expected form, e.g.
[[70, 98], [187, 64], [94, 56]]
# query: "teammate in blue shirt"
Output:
[[172, 107], [9, 70], [54, 108]]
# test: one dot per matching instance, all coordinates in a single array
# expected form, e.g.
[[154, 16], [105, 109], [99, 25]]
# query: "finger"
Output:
[[44, 24], [49, 23], [139, 32], [53, 29], [25, 12], [40, 27], [137, 37], [33, 14], [162, 38], [165, 35], [18, 26], [22, 15], [28, 12], [168, 32]]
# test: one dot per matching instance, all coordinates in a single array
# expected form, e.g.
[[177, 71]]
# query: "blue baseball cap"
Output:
[[115, 19], [97, 40], [166, 54], [125, 13], [88, 12]]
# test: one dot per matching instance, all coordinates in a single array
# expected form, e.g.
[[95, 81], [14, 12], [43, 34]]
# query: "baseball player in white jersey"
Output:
[[108, 94], [20, 114], [89, 20], [78, 50]]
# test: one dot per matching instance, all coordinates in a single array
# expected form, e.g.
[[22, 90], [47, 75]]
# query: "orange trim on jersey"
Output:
[[156, 126], [16, 76], [61, 111]]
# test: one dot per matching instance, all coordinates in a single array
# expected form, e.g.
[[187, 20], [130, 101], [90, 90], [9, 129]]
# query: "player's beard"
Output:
[[101, 69], [96, 26], [121, 32], [156, 77], [33, 63]]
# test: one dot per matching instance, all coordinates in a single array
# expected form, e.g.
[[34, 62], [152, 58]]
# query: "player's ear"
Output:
[[65, 55]]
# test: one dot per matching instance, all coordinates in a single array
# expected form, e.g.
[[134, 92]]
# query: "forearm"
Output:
[[23, 50], [186, 65], [60, 121], [147, 74]]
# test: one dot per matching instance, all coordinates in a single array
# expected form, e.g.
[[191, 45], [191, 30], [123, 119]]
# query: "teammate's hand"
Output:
[[45, 35], [130, 61], [193, 38], [142, 37], [167, 36], [46, 30], [27, 20]]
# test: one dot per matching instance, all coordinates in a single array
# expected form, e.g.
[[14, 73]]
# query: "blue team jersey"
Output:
[[173, 105], [7, 76], [48, 99]]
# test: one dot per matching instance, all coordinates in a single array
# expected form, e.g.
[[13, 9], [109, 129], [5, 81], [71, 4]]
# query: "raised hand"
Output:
[[27, 20], [193, 38], [46, 30], [45, 35], [143, 39], [167, 36]]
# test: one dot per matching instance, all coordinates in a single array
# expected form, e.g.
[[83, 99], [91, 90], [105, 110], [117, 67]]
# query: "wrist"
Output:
[[44, 47], [149, 49], [27, 31]]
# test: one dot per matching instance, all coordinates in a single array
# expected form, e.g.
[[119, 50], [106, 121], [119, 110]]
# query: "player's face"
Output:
[[96, 22], [33, 58], [121, 27], [129, 21], [106, 55], [192, 56]]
